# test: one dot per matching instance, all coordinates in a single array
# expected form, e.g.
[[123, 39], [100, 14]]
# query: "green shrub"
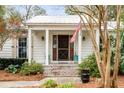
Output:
[[25, 69], [66, 85], [50, 84], [31, 68], [5, 62], [90, 63], [121, 68], [12, 69]]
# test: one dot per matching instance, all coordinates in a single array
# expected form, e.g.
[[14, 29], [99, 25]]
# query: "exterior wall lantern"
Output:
[[42, 38], [84, 38]]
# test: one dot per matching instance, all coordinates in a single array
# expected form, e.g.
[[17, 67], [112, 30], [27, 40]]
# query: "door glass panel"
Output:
[[63, 54], [54, 47], [63, 41]]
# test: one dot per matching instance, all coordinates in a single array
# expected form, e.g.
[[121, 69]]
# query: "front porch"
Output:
[[49, 36], [55, 47], [49, 44]]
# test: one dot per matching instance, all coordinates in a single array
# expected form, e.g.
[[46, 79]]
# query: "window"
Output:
[[22, 50]]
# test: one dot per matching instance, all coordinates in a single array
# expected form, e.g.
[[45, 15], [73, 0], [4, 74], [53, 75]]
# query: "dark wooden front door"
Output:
[[63, 47]]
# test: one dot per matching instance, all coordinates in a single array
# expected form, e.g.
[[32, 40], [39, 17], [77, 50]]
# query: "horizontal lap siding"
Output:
[[87, 48], [7, 49], [38, 50], [38, 47]]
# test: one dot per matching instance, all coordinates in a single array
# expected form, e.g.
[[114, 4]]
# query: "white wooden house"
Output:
[[47, 41]]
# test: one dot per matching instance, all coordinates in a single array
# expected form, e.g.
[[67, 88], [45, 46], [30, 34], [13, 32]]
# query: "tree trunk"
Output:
[[107, 74], [103, 63], [117, 53]]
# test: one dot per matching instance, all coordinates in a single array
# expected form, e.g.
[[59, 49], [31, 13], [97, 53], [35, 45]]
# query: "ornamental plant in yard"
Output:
[[31, 68], [66, 85], [49, 84], [122, 65], [12, 69], [53, 84], [90, 63], [5, 62]]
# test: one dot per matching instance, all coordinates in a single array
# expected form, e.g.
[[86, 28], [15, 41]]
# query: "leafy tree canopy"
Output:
[[111, 11]]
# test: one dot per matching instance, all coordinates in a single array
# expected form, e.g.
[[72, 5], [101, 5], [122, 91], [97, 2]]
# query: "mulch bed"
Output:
[[94, 84], [4, 76]]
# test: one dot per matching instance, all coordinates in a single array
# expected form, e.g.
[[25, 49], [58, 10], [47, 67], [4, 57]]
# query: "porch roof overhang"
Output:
[[55, 22], [70, 19]]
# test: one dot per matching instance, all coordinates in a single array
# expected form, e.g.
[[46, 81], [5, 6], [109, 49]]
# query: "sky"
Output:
[[51, 10], [54, 9]]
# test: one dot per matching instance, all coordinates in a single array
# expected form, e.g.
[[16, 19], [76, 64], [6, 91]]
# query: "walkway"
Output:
[[17, 84], [61, 80], [75, 80]]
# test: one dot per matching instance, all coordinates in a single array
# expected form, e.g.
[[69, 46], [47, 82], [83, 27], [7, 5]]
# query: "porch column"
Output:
[[79, 46], [97, 38], [29, 45], [47, 47]]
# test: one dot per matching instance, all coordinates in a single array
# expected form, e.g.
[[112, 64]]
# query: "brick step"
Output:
[[61, 70]]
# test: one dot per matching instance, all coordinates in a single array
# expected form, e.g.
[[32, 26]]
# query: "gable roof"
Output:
[[54, 19]]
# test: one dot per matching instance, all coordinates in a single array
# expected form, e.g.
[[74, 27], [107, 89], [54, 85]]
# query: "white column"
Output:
[[47, 47], [97, 38], [79, 45], [29, 45]]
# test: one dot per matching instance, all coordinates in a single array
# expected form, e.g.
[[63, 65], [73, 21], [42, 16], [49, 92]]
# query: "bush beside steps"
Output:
[[90, 63], [31, 68], [53, 84]]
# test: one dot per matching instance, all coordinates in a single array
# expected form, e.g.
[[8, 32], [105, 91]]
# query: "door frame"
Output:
[[57, 61]]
